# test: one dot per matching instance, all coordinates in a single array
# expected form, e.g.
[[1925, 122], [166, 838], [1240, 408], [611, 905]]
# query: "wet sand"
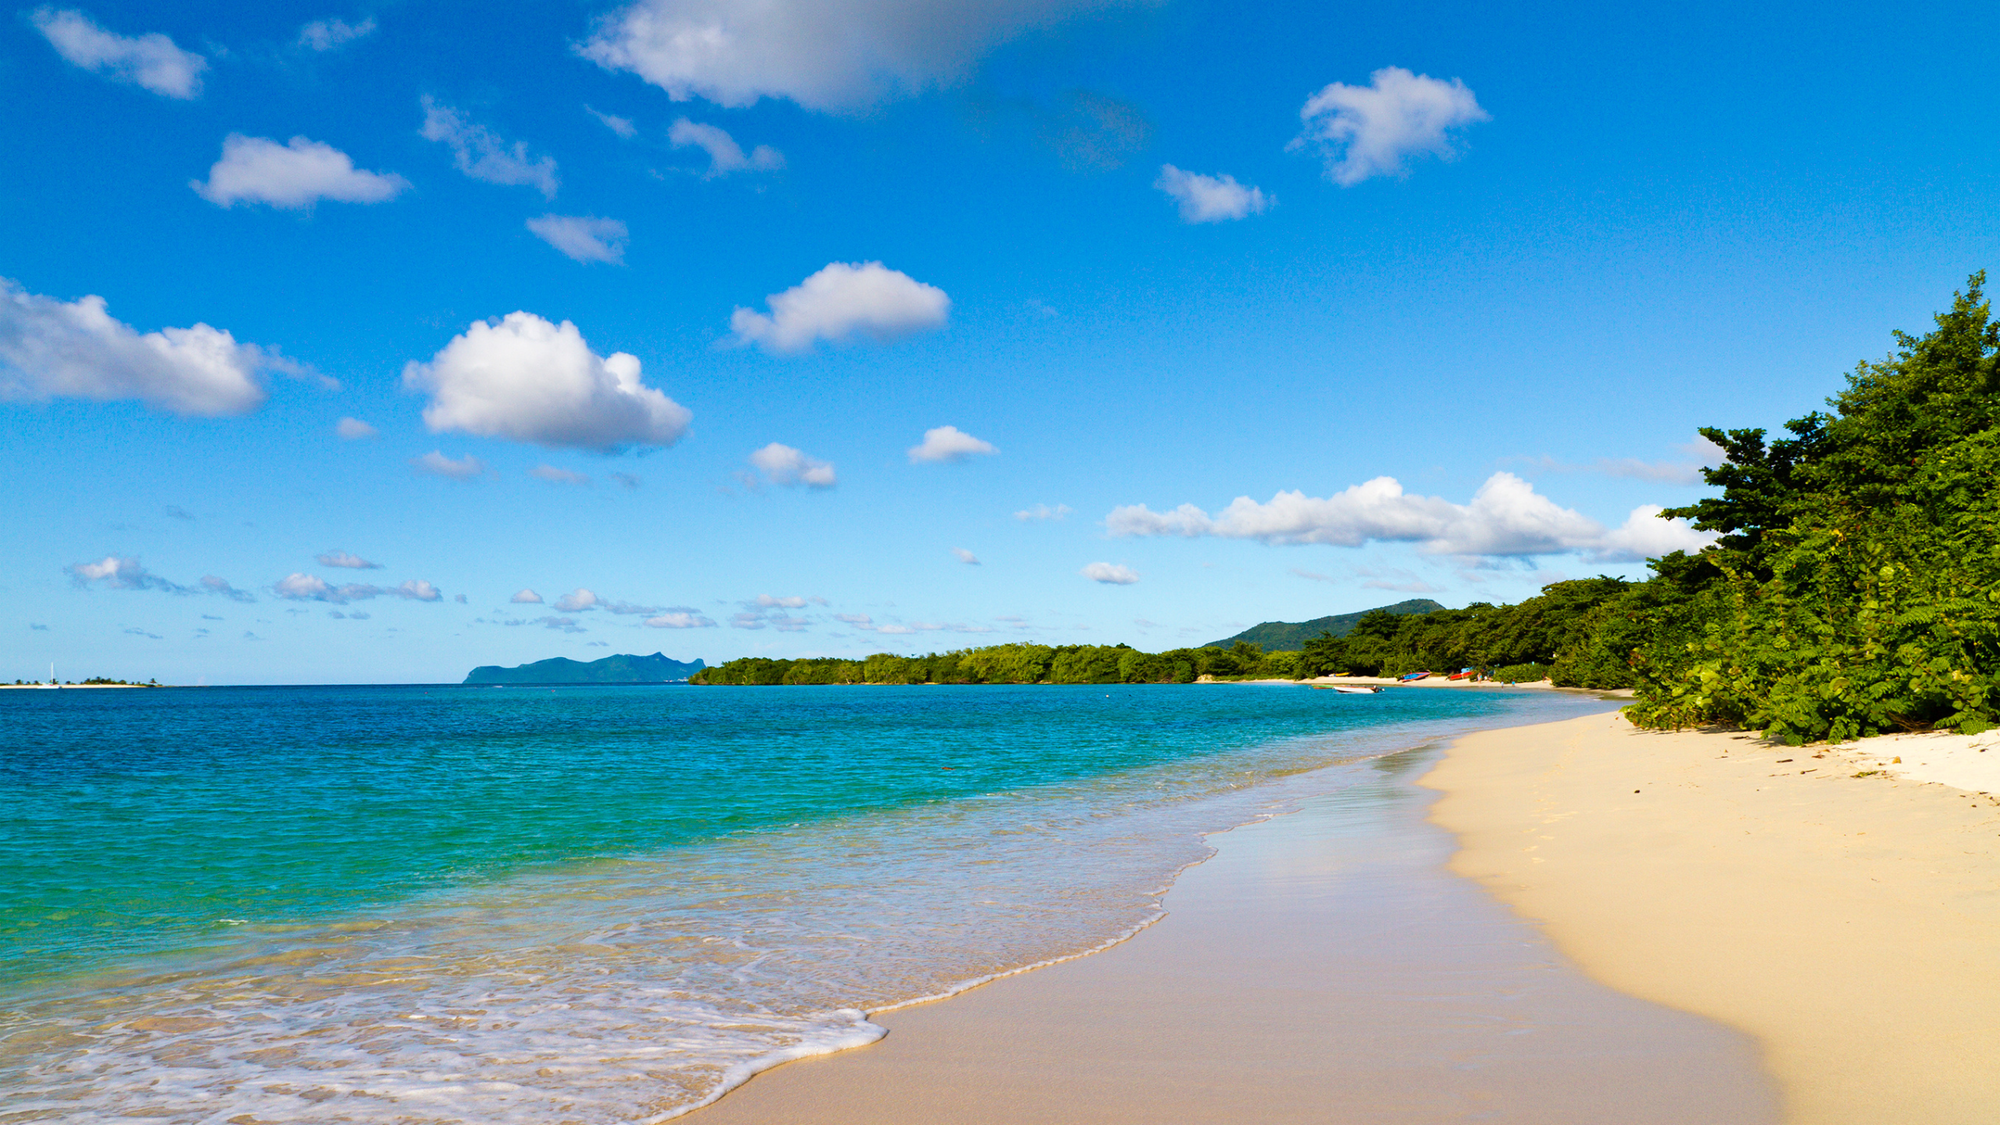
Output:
[[1850, 923], [1323, 967]]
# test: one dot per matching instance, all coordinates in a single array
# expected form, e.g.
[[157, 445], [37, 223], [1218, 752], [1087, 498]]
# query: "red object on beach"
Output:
[[1458, 675]]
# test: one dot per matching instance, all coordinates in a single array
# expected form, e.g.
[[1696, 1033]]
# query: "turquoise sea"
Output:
[[602, 904]]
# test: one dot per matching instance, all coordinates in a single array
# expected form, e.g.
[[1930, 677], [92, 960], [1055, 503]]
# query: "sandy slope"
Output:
[[1851, 924]]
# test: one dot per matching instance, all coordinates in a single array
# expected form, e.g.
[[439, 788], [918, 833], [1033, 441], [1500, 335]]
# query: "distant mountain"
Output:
[[654, 669], [1289, 636]]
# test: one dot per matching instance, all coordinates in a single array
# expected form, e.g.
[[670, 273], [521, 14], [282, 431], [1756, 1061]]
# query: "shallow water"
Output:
[[602, 904]]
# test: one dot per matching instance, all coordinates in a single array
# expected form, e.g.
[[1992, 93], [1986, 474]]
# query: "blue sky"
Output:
[[1181, 281]]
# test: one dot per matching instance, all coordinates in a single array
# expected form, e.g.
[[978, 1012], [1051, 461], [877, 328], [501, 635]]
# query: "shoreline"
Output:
[[1828, 901], [1322, 957]]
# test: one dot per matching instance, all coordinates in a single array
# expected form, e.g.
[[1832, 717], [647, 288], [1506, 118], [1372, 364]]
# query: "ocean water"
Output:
[[444, 904]]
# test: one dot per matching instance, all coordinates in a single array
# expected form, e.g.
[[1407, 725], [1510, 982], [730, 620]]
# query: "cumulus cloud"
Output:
[[311, 587], [151, 61], [1110, 573], [724, 154], [1364, 131], [949, 443], [347, 561], [526, 379], [480, 153], [1646, 534], [294, 175], [561, 624], [127, 573], [354, 429], [965, 556], [582, 237], [768, 611], [620, 125], [557, 476], [679, 619], [1505, 518], [49, 349], [822, 54], [120, 572], [325, 35], [783, 465], [1211, 199], [526, 597], [578, 600], [1042, 512], [840, 301], [221, 588], [438, 465]]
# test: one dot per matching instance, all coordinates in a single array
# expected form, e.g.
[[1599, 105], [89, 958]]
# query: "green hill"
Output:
[[654, 669], [1290, 636]]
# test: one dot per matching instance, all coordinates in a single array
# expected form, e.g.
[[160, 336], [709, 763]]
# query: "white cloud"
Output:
[[354, 429], [526, 596], [1110, 573], [724, 154], [348, 561], [526, 379], [578, 600], [783, 465], [839, 301], [148, 61], [76, 350], [1041, 512], [561, 624], [480, 153], [120, 572], [294, 175], [1364, 131], [214, 585], [583, 237], [437, 464], [822, 54], [679, 619], [310, 587], [1211, 199], [620, 125], [766, 601], [1505, 518], [1646, 534], [557, 476], [965, 556], [325, 35], [949, 443]]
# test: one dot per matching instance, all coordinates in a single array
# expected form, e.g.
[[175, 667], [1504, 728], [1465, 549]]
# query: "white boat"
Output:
[[1349, 689]]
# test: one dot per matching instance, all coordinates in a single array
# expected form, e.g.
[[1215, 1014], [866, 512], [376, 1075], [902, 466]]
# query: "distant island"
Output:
[[1290, 636], [622, 669]]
